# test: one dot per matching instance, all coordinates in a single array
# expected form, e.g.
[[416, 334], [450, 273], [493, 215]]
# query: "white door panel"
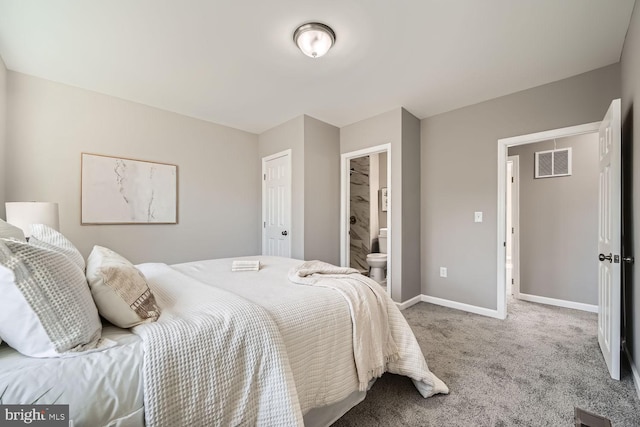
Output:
[[609, 234], [276, 237]]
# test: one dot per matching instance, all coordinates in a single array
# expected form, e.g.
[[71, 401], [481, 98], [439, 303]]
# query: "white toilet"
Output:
[[378, 262]]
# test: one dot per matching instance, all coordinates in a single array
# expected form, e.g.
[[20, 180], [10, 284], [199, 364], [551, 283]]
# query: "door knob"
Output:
[[628, 259], [284, 233], [602, 257]]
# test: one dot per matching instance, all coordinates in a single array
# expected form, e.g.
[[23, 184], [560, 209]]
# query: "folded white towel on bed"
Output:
[[373, 344], [245, 265]]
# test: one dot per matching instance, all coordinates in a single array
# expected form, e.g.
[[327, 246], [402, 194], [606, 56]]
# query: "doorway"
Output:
[[366, 208], [558, 216], [503, 147], [363, 221]]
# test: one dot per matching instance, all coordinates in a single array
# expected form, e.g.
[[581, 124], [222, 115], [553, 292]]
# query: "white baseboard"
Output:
[[494, 313], [634, 370], [461, 306], [408, 303], [559, 302]]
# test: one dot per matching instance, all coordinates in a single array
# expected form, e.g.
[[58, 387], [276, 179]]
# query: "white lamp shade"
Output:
[[23, 214], [314, 39]]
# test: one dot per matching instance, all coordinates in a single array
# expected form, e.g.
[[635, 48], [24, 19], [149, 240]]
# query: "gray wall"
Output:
[[401, 129], [3, 132], [410, 206], [630, 64], [315, 187], [385, 128], [558, 223], [459, 176], [290, 135], [50, 124], [322, 189]]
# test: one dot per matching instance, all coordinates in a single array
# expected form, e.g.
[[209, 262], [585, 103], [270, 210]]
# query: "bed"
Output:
[[239, 348]]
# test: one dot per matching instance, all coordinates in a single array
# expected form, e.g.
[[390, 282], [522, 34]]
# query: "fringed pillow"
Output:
[[119, 289]]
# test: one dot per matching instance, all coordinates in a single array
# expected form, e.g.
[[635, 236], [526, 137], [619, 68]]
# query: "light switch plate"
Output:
[[478, 217], [443, 271]]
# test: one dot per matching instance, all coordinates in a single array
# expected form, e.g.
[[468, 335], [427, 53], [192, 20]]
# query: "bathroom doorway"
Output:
[[366, 212]]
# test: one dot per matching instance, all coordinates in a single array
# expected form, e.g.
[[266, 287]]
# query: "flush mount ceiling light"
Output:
[[314, 39]]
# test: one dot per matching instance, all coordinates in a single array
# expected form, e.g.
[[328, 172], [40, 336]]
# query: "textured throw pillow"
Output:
[[119, 289], [8, 231], [46, 308], [46, 237]]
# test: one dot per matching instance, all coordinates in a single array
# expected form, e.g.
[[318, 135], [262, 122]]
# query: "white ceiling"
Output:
[[234, 62]]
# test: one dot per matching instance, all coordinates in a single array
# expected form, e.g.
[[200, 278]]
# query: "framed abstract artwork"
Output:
[[117, 190]]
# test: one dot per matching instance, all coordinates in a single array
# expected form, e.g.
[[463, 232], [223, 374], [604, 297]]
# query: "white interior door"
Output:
[[276, 205], [515, 225], [609, 231], [509, 232]]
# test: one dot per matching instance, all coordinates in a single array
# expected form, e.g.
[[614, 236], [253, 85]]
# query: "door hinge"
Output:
[[512, 180], [264, 177], [264, 224], [513, 230], [504, 244], [513, 281]]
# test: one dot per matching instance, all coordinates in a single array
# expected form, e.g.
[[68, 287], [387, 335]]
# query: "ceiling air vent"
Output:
[[553, 163]]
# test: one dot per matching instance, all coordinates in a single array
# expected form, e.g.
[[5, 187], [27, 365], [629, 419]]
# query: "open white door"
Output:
[[609, 231], [513, 226], [276, 204]]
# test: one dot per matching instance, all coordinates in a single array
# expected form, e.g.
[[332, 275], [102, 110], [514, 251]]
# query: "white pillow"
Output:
[[46, 308], [46, 237], [9, 231], [119, 289]]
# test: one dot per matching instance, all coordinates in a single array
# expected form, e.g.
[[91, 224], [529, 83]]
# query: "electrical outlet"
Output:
[[443, 271], [478, 217]]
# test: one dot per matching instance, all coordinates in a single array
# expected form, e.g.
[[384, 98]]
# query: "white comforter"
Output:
[[314, 323], [213, 359], [302, 339]]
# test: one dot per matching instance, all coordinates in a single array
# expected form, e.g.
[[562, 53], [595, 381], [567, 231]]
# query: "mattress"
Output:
[[102, 388]]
